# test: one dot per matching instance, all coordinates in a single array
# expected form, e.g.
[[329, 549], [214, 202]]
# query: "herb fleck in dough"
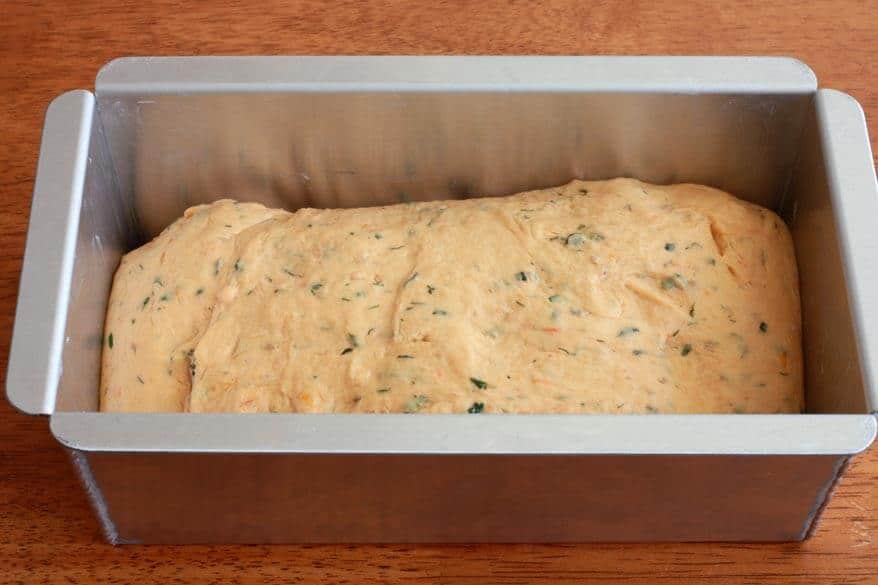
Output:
[[596, 297]]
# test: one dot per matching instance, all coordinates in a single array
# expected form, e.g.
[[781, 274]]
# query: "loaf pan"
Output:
[[159, 134]]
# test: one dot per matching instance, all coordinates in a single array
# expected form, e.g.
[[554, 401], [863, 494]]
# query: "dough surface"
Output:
[[595, 297]]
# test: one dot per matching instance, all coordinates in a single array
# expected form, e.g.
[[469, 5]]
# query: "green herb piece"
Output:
[[651, 409], [692, 310], [139, 379], [164, 298], [480, 384], [669, 283], [345, 299], [763, 327], [687, 349], [521, 276], [574, 240], [638, 352], [316, 287], [110, 340], [711, 261], [398, 247], [405, 356], [216, 266], [370, 331], [372, 307], [430, 289], [228, 225], [670, 247], [626, 331], [360, 294], [378, 236], [352, 339], [410, 278], [556, 299], [383, 390], [289, 272], [347, 350], [565, 350], [476, 408], [199, 292], [440, 312], [519, 303], [239, 266], [145, 302], [133, 321], [595, 237], [415, 403], [158, 281]]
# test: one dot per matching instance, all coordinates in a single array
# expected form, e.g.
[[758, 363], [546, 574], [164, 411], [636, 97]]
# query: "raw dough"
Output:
[[595, 297]]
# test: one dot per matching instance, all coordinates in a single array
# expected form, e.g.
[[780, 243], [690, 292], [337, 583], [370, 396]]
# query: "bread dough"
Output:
[[596, 297]]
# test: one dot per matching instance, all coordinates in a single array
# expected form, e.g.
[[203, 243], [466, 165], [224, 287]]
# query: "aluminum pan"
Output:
[[851, 172], [821, 434], [609, 74], [701, 434], [269, 128], [40, 317]]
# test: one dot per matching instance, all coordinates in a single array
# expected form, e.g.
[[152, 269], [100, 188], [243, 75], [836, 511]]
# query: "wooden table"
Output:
[[48, 532]]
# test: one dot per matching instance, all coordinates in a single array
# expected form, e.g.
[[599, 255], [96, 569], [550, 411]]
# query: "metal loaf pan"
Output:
[[159, 134]]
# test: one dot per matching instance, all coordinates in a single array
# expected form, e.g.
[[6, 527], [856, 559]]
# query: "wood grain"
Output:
[[48, 532]]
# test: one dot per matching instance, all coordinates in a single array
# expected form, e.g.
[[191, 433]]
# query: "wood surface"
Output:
[[48, 531]]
